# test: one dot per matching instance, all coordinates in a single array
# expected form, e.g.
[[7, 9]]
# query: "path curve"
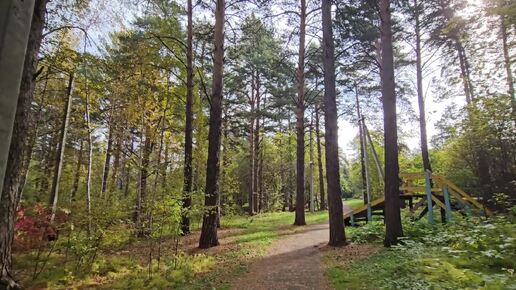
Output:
[[293, 262]]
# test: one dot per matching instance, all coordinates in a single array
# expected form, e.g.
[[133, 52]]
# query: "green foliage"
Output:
[[468, 253]]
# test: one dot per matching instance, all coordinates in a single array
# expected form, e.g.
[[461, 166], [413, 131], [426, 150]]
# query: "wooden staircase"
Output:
[[423, 191]]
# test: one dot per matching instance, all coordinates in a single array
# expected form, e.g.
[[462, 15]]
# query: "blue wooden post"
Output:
[[429, 197], [352, 220], [369, 213], [447, 203]]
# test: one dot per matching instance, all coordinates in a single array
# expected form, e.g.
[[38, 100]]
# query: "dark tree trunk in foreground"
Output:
[[300, 125], [209, 224], [337, 235], [392, 196], [187, 178], [54, 194], [322, 193], [420, 96], [20, 40]]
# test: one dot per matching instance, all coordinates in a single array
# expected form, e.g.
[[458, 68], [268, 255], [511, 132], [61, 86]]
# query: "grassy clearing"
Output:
[[354, 202], [123, 263], [465, 254]]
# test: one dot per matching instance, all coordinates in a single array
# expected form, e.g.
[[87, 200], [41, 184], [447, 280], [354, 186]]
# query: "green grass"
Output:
[[354, 202], [125, 266], [465, 254]]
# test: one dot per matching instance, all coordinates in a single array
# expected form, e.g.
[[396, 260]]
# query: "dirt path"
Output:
[[293, 262]]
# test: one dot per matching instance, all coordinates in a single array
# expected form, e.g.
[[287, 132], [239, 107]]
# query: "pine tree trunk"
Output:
[[337, 235], [420, 96], [322, 205], [300, 122], [209, 224], [54, 197], [19, 47], [392, 196], [187, 178]]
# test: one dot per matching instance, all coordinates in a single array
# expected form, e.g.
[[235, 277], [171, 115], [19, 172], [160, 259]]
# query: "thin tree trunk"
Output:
[[337, 235], [75, 185], [144, 174], [256, 151], [507, 62], [312, 196], [187, 182], [90, 157], [54, 197], [19, 43], [392, 196], [113, 184], [209, 224], [363, 164], [252, 147], [322, 205], [300, 119], [107, 162], [420, 96]]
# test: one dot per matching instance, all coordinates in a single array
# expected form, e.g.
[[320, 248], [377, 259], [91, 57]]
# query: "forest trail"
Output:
[[293, 262]]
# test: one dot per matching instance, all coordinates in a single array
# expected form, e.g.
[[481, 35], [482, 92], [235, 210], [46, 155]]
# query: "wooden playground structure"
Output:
[[422, 193]]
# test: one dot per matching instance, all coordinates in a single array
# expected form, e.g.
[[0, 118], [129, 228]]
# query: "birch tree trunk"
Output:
[[90, 157], [54, 196]]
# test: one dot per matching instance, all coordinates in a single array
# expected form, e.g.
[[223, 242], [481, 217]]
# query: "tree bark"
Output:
[[322, 194], [19, 43], [311, 142], [507, 62], [300, 119], [141, 201], [77, 176], [209, 224], [90, 156], [54, 195], [392, 197], [420, 96], [187, 178], [337, 234], [363, 164], [256, 151], [107, 162], [252, 147]]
